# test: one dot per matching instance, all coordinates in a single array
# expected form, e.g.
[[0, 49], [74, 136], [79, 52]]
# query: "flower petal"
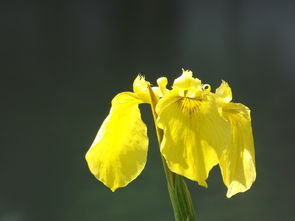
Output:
[[224, 92], [194, 134], [161, 89], [162, 83], [187, 82], [119, 151], [237, 162], [140, 88], [187, 86]]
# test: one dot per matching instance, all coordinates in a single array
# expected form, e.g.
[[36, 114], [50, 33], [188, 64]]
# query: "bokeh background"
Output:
[[63, 62]]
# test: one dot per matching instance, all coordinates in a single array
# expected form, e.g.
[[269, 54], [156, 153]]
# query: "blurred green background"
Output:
[[63, 62]]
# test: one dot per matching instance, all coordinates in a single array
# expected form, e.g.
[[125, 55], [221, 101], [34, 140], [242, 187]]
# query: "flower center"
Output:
[[189, 105]]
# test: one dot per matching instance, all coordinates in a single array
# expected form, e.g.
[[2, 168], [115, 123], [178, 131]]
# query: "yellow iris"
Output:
[[200, 130]]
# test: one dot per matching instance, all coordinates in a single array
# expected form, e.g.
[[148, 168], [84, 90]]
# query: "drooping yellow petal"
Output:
[[224, 92], [237, 162], [119, 151], [194, 134]]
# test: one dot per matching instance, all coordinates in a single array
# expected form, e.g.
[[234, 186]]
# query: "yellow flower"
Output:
[[237, 162], [195, 133], [118, 154], [200, 130]]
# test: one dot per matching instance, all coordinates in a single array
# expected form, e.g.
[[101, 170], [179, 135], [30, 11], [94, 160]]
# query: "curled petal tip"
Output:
[[162, 83], [140, 88], [224, 92]]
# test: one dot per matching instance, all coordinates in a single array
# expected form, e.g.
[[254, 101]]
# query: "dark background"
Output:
[[63, 61]]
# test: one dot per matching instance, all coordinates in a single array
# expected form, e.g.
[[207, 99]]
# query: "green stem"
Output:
[[179, 194]]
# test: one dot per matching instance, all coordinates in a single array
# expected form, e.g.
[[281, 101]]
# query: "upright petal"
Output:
[[161, 89], [162, 83], [237, 162], [119, 151], [194, 134], [224, 92], [140, 88], [187, 82]]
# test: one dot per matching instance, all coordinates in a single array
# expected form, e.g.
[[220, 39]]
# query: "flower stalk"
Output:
[[178, 191]]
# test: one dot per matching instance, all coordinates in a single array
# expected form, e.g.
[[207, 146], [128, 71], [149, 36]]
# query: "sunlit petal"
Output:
[[140, 88], [161, 89], [162, 83], [224, 92], [187, 82], [119, 151], [237, 162], [194, 134]]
